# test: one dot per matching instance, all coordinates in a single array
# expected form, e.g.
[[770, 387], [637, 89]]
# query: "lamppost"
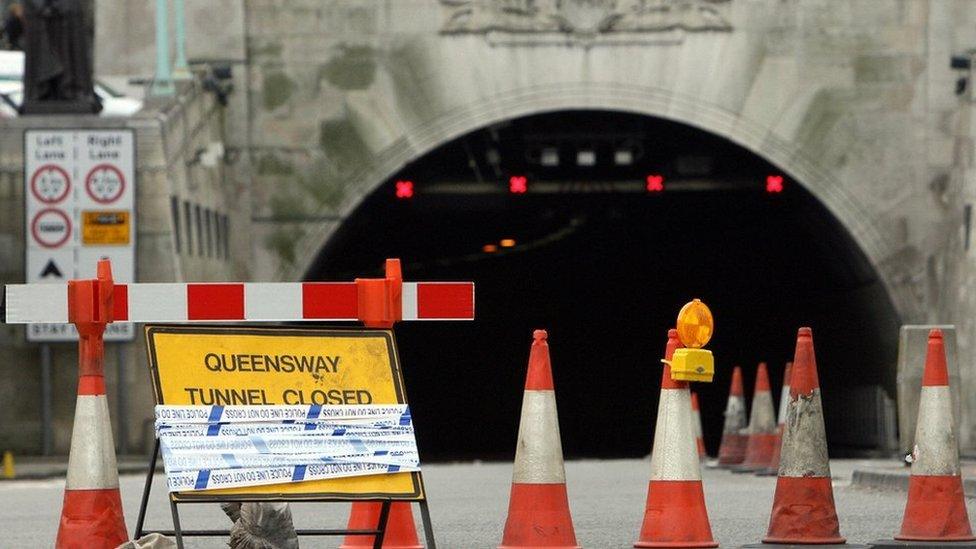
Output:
[[162, 84], [181, 70]]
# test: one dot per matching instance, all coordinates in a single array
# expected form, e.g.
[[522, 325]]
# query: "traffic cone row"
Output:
[[675, 515]]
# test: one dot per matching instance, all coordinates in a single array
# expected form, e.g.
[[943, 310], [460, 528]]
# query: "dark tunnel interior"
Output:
[[603, 259]]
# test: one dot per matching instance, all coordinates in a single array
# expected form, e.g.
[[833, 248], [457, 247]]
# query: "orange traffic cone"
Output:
[[91, 516], [675, 515], [936, 508], [784, 399], [697, 424], [733, 447], [400, 531], [762, 426], [538, 509], [803, 507]]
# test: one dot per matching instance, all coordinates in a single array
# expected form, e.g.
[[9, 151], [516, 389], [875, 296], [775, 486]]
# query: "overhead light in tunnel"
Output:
[[507, 242], [586, 157], [404, 189], [655, 183], [489, 248], [518, 184], [774, 183], [623, 157], [549, 157]]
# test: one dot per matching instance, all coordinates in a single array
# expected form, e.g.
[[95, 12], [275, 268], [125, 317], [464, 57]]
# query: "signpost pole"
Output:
[[122, 403], [47, 431]]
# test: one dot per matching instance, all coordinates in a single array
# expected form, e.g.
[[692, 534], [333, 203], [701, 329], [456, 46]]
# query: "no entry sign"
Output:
[[79, 207]]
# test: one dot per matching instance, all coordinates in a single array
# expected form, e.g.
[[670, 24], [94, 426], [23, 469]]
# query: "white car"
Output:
[[12, 90]]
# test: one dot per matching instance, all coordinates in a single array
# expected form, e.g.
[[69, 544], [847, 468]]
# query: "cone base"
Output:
[[540, 546], [759, 453], [732, 450], [765, 545], [897, 544], [91, 519], [768, 472], [936, 510], [400, 530], [539, 517], [803, 512], [676, 544], [675, 516]]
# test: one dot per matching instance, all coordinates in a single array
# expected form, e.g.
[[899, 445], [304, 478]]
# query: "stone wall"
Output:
[[853, 98]]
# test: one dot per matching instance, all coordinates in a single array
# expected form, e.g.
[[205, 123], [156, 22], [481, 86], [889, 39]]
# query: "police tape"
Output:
[[211, 479], [197, 461], [284, 444], [230, 414], [316, 428], [236, 446]]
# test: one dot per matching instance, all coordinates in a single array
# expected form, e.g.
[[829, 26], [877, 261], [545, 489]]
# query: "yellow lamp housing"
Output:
[[692, 365]]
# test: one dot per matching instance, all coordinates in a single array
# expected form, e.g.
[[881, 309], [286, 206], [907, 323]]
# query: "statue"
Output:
[[58, 64]]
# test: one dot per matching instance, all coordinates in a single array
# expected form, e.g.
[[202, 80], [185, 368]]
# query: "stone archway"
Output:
[[828, 188]]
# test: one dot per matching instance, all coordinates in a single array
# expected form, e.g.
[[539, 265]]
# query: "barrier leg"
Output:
[[146, 489], [177, 529], [428, 525]]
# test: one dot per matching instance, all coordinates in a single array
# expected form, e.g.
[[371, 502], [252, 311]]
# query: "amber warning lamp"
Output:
[[695, 328]]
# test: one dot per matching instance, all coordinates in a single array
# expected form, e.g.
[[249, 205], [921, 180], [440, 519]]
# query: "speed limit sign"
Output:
[[105, 183]]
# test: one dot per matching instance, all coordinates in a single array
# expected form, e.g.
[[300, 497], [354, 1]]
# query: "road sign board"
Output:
[[79, 207], [222, 366]]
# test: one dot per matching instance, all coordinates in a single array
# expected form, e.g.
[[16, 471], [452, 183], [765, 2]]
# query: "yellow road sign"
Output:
[[207, 365], [105, 227]]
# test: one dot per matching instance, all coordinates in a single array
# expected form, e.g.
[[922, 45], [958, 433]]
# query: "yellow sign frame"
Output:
[[397, 486]]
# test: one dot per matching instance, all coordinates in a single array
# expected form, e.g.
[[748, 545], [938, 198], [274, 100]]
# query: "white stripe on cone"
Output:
[[934, 433], [762, 420], [696, 424], [91, 463], [784, 400], [539, 455], [804, 451], [675, 452], [735, 415]]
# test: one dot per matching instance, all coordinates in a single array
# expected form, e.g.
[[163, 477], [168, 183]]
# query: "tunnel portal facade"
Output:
[[854, 101]]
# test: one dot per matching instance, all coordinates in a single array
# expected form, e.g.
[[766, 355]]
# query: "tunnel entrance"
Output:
[[623, 218]]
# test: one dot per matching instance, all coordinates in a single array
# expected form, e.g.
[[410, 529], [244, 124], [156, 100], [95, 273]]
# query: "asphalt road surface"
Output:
[[469, 502]]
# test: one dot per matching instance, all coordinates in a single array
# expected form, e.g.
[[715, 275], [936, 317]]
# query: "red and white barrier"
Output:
[[91, 515], [241, 302]]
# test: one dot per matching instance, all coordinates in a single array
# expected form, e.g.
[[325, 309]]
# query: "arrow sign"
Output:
[[51, 269]]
